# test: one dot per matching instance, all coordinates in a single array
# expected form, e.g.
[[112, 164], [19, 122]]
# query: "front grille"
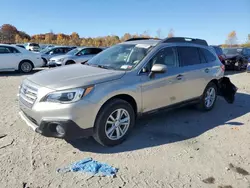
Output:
[[28, 95]]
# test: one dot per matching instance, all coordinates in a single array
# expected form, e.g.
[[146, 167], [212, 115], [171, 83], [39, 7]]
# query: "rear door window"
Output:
[[13, 50], [67, 50], [202, 56], [96, 50], [208, 55], [188, 56]]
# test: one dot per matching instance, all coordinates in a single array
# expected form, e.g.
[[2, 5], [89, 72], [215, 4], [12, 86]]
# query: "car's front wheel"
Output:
[[208, 98], [44, 62], [237, 66], [114, 122], [25, 67]]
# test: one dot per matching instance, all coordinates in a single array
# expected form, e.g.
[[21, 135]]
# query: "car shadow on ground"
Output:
[[16, 73], [173, 126]]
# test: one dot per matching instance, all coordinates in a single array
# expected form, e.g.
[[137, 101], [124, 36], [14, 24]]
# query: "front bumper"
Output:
[[76, 119], [68, 128], [53, 64]]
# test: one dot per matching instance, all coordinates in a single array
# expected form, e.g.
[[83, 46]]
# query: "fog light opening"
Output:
[[56, 129], [60, 130]]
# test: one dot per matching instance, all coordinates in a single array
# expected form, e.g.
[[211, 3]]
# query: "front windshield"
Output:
[[232, 51], [45, 50], [121, 56], [74, 51]]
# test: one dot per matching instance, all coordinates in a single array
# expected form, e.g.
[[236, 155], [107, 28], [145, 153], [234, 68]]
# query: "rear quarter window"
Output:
[[208, 55]]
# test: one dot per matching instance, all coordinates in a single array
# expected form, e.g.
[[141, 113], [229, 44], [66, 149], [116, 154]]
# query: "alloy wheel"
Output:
[[117, 124]]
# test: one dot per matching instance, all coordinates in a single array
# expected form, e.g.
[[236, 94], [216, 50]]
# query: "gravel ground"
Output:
[[180, 148]]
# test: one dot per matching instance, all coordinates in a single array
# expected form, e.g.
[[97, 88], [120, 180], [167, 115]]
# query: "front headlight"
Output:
[[67, 96], [61, 60]]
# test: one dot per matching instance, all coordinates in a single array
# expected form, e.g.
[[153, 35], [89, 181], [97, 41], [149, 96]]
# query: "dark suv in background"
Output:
[[218, 50], [235, 58]]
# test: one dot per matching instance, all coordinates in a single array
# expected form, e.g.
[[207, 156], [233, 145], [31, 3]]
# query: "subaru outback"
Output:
[[103, 97]]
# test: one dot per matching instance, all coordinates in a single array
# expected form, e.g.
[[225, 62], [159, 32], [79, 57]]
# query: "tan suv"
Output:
[[103, 97]]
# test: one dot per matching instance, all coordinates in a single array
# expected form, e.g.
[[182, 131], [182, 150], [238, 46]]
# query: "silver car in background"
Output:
[[77, 55], [103, 97], [32, 47], [48, 53]]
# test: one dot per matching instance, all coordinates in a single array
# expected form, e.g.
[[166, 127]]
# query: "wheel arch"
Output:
[[126, 97], [24, 61], [216, 82], [70, 61]]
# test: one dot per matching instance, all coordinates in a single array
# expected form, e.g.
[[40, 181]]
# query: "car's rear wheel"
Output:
[[25, 67], [114, 122], [208, 98]]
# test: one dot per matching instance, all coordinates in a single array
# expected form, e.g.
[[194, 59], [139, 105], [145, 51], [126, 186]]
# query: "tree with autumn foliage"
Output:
[[8, 33], [75, 39], [232, 38]]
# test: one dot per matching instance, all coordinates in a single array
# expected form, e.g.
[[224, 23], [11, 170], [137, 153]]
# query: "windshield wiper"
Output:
[[101, 66]]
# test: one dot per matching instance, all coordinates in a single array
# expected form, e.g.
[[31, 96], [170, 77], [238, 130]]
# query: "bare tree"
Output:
[[159, 33], [171, 33]]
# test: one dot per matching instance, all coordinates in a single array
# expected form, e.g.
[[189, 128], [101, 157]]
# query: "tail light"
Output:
[[221, 58], [222, 67]]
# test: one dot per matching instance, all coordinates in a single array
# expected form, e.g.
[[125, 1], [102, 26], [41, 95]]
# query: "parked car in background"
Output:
[[218, 50], [48, 53], [77, 55], [235, 59], [14, 58], [246, 52], [21, 46], [32, 47], [103, 97]]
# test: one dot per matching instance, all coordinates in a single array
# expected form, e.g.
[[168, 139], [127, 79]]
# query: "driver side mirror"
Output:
[[158, 68], [50, 53]]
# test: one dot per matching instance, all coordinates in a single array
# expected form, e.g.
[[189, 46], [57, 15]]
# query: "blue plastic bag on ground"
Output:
[[90, 166]]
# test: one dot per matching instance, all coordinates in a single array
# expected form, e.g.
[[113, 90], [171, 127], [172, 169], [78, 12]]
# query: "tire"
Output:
[[106, 133], [203, 104], [45, 62], [238, 68], [70, 62], [25, 67]]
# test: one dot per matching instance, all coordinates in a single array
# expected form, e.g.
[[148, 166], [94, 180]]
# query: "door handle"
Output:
[[206, 70], [179, 77]]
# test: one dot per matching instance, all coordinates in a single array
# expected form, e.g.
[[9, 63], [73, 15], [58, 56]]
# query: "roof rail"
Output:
[[139, 38], [186, 40]]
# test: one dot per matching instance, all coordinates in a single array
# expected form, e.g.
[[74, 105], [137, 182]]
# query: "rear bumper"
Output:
[[68, 129]]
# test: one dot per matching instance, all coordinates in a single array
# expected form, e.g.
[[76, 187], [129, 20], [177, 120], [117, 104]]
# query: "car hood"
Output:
[[73, 76], [60, 57]]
